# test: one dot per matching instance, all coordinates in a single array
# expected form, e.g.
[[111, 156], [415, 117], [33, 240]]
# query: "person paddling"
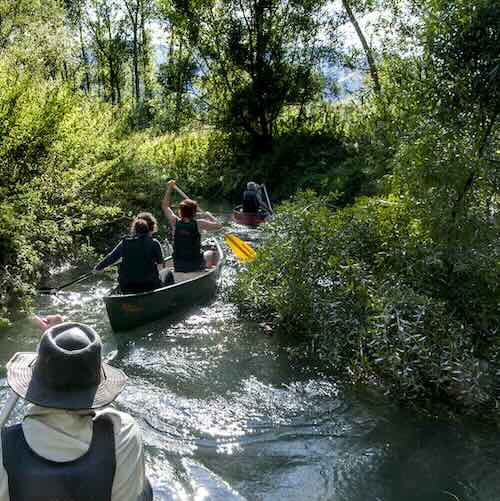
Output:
[[251, 200], [141, 257], [71, 445], [187, 230]]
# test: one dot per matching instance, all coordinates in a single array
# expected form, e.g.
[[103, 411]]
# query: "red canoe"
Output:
[[248, 218]]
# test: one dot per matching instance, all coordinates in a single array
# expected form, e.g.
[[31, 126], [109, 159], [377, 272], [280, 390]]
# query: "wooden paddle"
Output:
[[57, 289], [242, 250]]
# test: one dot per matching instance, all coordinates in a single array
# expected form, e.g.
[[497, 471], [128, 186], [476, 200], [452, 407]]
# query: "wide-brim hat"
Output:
[[67, 372]]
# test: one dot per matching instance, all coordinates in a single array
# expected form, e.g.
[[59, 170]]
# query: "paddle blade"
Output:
[[240, 249]]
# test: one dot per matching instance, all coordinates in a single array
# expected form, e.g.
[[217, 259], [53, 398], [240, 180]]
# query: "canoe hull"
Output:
[[248, 218], [127, 311]]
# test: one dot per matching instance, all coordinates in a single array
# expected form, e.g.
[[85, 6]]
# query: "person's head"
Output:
[[188, 208], [67, 372], [251, 186], [150, 219], [139, 227]]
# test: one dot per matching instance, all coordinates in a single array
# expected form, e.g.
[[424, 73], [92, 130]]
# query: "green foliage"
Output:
[[404, 289], [68, 177], [49, 141], [401, 287], [462, 45], [365, 288], [255, 57]]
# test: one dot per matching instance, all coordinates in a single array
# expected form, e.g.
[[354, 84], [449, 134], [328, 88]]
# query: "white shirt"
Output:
[[60, 436]]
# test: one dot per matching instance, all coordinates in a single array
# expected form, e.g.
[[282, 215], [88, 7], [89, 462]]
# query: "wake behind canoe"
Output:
[[127, 311]]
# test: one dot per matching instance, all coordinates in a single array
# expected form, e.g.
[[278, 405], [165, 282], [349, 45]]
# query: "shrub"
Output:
[[363, 288]]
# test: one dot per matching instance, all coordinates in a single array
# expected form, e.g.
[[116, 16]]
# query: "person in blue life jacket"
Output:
[[251, 200], [142, 266], [71, 445], [187, 230]]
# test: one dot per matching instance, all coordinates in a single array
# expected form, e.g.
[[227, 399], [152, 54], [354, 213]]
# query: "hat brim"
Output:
[[20, 379]]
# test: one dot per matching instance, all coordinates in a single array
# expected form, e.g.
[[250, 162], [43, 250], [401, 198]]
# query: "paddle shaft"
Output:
[[267, 199], [7, 408], [75, 281]]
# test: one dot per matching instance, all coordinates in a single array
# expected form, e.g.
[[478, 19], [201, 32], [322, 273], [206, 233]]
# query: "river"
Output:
[[226, 414]]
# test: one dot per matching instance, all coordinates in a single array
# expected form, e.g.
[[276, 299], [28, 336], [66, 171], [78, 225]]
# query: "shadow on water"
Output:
[[224, 410]]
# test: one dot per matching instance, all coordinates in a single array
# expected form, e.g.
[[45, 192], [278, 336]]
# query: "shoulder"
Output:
[[126, 430], [129, 477]]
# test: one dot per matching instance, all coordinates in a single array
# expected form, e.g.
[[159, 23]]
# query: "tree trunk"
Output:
[[144, 47], [133, 14], [264, 142], [366, 47], [472, 175], [84, 60], [136, 65], [178, 90]]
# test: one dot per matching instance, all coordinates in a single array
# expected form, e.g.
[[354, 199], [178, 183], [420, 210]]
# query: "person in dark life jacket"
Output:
[[71, 444], [142, 266], [187, 230], [251, 200]]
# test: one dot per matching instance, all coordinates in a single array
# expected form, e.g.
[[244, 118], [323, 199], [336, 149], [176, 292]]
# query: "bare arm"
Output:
[[165, 204], [207, 222], [209, 225], [44, 323]]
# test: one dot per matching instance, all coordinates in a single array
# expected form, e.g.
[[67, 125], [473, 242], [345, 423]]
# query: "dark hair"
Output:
[[139, 227], [188, 208], [150, 219]]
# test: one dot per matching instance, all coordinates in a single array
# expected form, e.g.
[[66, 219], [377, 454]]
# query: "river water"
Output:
[[226, 414]]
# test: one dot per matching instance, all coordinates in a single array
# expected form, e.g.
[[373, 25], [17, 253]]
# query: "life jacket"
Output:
[[187, 246], [250, 202], [138, 270], [34, 478]]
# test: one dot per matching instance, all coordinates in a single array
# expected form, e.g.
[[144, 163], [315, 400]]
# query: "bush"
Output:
[[363, 288]]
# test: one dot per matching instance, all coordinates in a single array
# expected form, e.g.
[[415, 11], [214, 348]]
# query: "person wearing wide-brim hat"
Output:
[[71, 444]]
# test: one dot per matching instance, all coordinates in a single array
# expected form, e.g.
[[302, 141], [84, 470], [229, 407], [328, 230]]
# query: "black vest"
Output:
[[249, 201], [187, 246], [138, 269], [34, 478]]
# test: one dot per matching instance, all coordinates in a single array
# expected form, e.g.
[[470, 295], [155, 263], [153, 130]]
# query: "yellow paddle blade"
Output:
[[240, 249]]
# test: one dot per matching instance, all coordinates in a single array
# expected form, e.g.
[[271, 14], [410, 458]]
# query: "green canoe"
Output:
[[126, 311]]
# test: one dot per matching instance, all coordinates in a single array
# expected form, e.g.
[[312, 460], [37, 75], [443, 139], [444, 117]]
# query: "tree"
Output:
[[138, 12], [255, 58], [463, 49], [75, 12], [176, 77], [107, 29], [133, 11], [347, 4]]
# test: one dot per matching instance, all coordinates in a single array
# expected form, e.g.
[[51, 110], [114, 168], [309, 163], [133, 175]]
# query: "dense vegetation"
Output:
[[403, 287], [386, 261]]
